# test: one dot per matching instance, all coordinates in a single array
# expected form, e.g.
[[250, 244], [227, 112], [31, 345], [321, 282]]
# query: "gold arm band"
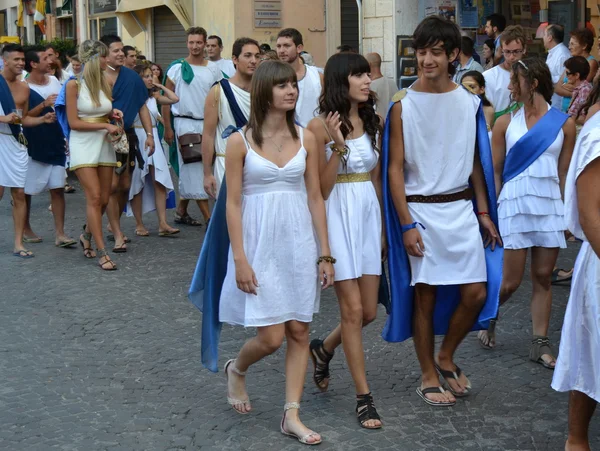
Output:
[[95, 120], [354, 177], [218, 154]]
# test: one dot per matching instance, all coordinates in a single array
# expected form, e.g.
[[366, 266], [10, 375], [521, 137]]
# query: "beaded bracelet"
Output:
[[326, 258]]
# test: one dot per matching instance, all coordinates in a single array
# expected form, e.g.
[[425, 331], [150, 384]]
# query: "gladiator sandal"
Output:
[[321, 359], [88, 252], [365, 411], [108, 264], [304, 439], [539, 346]]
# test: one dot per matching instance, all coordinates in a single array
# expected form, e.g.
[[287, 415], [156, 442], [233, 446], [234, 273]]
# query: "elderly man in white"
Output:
[[558, 53]]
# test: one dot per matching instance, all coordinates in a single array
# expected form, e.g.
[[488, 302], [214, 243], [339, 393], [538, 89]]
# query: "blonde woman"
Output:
[[88, 105]]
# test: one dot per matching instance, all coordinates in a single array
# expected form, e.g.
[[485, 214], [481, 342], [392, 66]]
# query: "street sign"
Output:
[[267, 14]]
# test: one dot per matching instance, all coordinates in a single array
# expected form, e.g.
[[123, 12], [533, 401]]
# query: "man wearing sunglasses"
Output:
[[513, 42]]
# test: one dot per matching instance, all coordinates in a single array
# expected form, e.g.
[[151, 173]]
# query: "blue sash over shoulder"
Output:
[[129, 95], [533, 143], [8, 105], [399, 322], [205, 291], [60, 106]]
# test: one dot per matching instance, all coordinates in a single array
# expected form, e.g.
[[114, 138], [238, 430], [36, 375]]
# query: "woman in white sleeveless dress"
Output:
[[89, 106], [273, 271], [530, 206], [347, 132], [151, 185]]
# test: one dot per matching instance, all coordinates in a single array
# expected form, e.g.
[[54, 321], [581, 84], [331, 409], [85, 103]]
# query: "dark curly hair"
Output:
[[531, 69], [335, 96]]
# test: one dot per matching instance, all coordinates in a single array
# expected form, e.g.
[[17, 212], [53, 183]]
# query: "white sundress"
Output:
[[279, 243], [354, 213], [530, 207], [578, 363]]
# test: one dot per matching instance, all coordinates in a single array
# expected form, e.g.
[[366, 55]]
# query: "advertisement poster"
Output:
[[468, 14], [445, 8], [488, 7]]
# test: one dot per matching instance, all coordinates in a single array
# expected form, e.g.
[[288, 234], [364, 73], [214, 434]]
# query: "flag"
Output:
[[39, 16]]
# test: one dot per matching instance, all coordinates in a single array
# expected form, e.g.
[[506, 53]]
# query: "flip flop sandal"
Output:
[[69, 189], [111, 238], [555, 276], [539, 346], [23, 254], [491, 334], [432, 390], [120, 249], [446, 374], [146, 233], [165, 233], [35, 240], [66, 243]]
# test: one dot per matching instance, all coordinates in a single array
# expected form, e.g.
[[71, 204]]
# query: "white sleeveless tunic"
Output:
[[530, 208], [439, 149], [354, 215], [13, 158], [226, 119], [578, 364], [309, 91], [141, 178], [279, 243]]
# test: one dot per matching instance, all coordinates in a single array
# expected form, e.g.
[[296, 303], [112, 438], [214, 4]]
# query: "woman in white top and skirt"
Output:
[[530, 206], [273, 272], [156, 171], [348, 133]]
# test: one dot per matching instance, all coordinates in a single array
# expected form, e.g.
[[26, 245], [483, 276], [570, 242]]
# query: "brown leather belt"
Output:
[[441, 198]]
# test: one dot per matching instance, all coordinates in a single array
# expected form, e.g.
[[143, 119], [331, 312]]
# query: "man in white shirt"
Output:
[[558, 53], [497, 79], [384, 87], [214, 47], [310, 81]]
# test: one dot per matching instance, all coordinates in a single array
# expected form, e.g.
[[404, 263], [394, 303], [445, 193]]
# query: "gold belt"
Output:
[[96, 120], [354, 177], [218, 154]]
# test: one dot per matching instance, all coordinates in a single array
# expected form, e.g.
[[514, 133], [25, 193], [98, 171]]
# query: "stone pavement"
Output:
[[92, 360]]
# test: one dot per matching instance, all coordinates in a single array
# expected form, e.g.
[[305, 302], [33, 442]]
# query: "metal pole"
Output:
[[74, 18], [360, 26]]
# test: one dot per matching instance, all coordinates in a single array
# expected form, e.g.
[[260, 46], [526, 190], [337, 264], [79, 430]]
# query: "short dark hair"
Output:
[[585, 37], [239, 44], [292, 33], [32, 56], [497, 20], [578, 65], [10, 48], [197, 30], [51, 46], [436, 29], [557, 32], [129, 48], [467, 46], [345, 48], [491, 43], [218, 38], [265, 47], [109, 39]]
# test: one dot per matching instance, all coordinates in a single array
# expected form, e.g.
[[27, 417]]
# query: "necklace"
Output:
[[278, 146]]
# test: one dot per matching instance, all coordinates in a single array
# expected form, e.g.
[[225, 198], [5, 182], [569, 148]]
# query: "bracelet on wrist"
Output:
[[483, 213], [341, 151], [326, 258], [407, 227]]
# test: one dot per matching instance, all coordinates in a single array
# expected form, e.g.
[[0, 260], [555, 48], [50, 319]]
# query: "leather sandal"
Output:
[[233, 401], [539, 346], [365, 411], [112, 266], [321, 359]]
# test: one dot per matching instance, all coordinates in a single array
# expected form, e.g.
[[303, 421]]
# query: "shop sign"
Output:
[[267, 14]]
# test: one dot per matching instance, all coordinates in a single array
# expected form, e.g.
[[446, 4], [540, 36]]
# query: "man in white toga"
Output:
[[214, 47]]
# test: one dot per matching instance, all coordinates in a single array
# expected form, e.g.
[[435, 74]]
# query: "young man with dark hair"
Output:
[[214, 47], [129, 95], [46, 146], [225, 100], [191, 78], [433, 184], [14, 109], [310, 80], [494, 26], [497, 79], [130, 56], [466, 62], [558, 53]]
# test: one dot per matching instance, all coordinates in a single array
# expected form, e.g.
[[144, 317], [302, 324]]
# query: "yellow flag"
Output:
[[20, 15]]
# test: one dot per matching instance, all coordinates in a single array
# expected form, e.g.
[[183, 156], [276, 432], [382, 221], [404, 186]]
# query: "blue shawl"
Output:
[[46, 142], [399, 323], [533, 143], [205, 290], [129, 95], [8, 105]]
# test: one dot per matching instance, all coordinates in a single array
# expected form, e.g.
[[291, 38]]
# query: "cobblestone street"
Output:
[[93, 360]]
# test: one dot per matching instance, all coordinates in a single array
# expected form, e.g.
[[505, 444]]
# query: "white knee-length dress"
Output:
[[279, 243], [530, 207], [354, 213]]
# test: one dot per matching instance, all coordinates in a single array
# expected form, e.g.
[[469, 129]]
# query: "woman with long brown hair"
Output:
[[273, 271]]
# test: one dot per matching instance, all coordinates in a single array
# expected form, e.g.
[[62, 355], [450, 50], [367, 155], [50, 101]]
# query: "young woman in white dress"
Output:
[[273, 202], [530, 206], [89, 108], [348, 133], [144, 198]]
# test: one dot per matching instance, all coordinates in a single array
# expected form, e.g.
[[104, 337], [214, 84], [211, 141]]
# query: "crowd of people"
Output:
[[329, 177]]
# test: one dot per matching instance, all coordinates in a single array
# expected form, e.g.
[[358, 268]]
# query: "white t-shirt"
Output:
[[53, 87], [226, 66], [497, 80], [556, 63]]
